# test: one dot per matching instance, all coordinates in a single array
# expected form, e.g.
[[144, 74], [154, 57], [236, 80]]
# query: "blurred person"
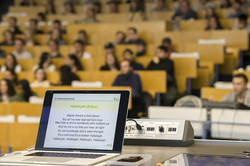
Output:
[[129, 55], [161, 6], [33, 26], [7, 90], [140, 48], [50, 8], [29, 39], [241, 22], [19, 51], [24, 91], [131, 79], [119, 38], [111, 63], [41, 18], [245, 3], [8, 38], [89, 2], [79, 50], [54, 49], [203, 4], [45, 63], [236, 10], [109, 48], [13, 27], [11, 64], [134, 6], [10, 75], [167, 42], [210, 12], [2, 53], [90, 16], [67, 76], [162, 62], [74, 63], [57, 36], [40, 79], [240, 93], [184, 13], [26, 3], [213, 23], [69, 8], [97, 7], [113, 6], [225, 4], [73, 2], [132, 36], [83, 36], [58, 25]]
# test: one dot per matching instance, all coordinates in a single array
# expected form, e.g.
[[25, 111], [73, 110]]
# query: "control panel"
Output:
[[161, 132]]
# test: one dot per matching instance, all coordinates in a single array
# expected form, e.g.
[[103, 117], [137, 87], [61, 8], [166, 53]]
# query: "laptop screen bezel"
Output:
[[120, 123]]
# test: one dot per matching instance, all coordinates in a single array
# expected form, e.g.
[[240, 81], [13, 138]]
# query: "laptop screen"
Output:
[[81, 121]]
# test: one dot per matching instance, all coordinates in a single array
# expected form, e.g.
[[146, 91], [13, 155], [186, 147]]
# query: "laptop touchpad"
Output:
[[49, 159]]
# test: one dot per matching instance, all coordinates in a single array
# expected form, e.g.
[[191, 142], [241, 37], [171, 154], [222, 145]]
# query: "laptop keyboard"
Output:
[[70, 155]]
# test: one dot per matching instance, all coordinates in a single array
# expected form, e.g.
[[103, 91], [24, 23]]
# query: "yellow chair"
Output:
[[29, 75], [213, 93], [26, 64]]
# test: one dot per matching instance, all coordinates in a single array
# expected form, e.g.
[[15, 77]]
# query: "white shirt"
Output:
[[86, 55], [24, 55], [50, 68], [18, 69], [37, 84]]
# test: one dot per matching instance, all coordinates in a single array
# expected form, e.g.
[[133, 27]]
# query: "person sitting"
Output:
[[111, 63], [82, 35], [225, 4], [213, 23], [161, 6], [58, 25], [67, 76], [97, 6], [90, 16], [2, 53], [131, 79], [45, 63], [24, 91], [7, 90], [53, 46], [237, 10], [26, 3], [134, 6], [19, 51], [210, 12], [109, 48], [33, 26], [140, 48], [167, 42], [29, 39], [132, 36], [11, 64], [69, 8], [40, 79], [8, 38], [41, 19], [79, 50], [57, 36], [162, 62], [10, 75], [74, 63], [119, 38], [203, 4], [129, 55], [13, 26], [113, 6], [240, 93], [50, 8], [241, 22]]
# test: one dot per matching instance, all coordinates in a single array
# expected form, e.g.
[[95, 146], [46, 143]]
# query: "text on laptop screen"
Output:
[[82, 121]]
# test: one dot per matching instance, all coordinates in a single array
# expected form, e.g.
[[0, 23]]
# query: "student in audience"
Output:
[[240, 93], [79, 50], [213, 23], [8, 38], [19, 51], [129, 55], [161, 6], [7, 90], [50, 8], [33, 26], [97, 7], [203, 4], [225, 4], [162, 62], [129, 78], [41, 18], [57, 25], [140, 48], [57, 36], [73, 2], [74, 63], [11, 64], [210, 12], [90, 16], [10, 75], [109, 48], [2, 53], [54, 49], [45, 63], [29, 39], [13, 27], [245, 3], [237, 10], [40, 79], [132, 36], [89, 2], [134, 6], [69, 8], [119, 38], [26, 3], [83, 36], [24, 91], [111, 63], [167, 42], [241, 22], [67, 76], [113, 6]]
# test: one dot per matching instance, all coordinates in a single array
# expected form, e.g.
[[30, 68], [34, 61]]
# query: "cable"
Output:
[[138, 126]]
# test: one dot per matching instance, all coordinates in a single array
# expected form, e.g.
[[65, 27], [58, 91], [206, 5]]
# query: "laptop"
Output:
[[78, 128]]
